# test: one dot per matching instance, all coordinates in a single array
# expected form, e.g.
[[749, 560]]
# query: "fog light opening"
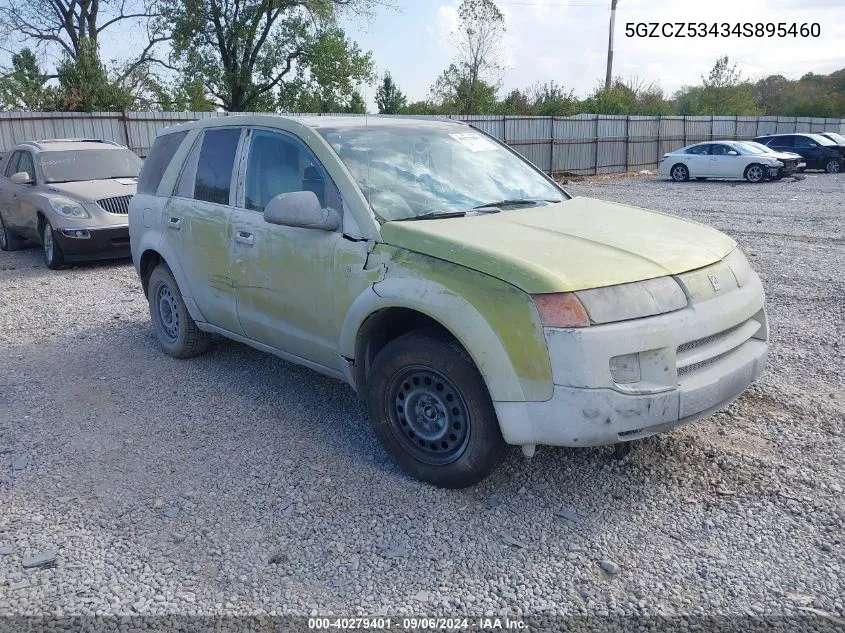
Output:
[[625, 369], [80, 234]]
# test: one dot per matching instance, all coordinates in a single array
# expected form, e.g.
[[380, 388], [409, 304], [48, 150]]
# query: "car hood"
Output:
[[571, 245], [93, 190]]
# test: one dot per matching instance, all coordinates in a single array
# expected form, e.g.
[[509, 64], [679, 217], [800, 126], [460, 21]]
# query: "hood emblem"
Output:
[[714, 281]]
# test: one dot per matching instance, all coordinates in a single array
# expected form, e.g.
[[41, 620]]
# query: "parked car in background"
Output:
[[818, 151], [467, 297], [836, 138], [71, 195], [725, 159], [787, 157]]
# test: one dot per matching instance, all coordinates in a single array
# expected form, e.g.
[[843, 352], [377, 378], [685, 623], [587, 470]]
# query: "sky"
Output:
[[566, 41]]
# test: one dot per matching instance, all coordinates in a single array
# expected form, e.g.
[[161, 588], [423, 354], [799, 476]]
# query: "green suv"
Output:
[[467, 298]]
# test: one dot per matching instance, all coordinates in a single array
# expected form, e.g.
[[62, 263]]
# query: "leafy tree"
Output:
[[633, 97], [84, 85], [470, 83], [72, 28], [24, 88], [422, 107], [356, 104], [257, 54], [550, 99], [389, 98], [723, 92]]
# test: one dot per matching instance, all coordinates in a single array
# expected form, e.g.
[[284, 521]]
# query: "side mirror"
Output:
[[301, 209], [733, 153], [21, 178]]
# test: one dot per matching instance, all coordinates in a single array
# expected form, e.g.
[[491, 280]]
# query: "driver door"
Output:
[[285, 277], [723, 164]]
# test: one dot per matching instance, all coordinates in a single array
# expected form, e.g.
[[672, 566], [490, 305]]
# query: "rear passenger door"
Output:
[[197, 223], [8, 193], [23, 206]]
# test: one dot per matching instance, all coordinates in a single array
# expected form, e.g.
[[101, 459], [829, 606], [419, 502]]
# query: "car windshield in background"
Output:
[[752, 148], [89, 164], [821, 140], [837, 138], [406, 171]]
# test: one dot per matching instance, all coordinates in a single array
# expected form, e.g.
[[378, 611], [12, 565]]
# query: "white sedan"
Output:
[[726, 159]]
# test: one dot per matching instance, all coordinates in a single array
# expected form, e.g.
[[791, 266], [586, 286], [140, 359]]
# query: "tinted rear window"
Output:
[[214, 168], [161, 153]]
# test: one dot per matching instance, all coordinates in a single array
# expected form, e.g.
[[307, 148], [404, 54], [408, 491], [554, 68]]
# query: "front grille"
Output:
[[708, 339], [704, 352], [119, 205]]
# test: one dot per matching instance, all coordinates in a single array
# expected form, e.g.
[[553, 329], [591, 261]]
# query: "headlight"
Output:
[[739, 266], [68, 208], [610, 304]]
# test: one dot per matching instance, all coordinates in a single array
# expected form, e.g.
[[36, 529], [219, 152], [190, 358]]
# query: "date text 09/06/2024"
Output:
[[377, 623], [722, 29]]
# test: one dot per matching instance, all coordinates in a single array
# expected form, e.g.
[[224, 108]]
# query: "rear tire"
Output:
[[755, 173], [430, 409], [833, 166], [176, 331], [54, 259], [8, 241], [679, 173]]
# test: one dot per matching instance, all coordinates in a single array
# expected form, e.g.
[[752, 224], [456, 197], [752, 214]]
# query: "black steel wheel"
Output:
[[429, 416]]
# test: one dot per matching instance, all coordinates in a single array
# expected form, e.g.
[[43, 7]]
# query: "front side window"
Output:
[[803, 141], [721, 150], [410, 169], [700, 150], [12, 165], [214, 166], [26, 164], [89, 164], [279, 163]]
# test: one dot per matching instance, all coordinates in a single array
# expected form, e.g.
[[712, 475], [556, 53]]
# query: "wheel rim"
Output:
[[48, 242], [168, 312], [755, 173], [833, 167], [679, 173], [428, 415]]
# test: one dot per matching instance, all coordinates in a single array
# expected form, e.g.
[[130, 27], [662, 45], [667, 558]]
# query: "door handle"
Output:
[[174, 223], [245, 238]]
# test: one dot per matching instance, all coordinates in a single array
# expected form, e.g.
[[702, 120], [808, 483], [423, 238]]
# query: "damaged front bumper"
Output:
[[690, 363]]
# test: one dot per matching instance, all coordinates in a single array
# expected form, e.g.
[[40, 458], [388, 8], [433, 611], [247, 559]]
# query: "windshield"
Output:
[[753, 148], [838, 138], [406, 171], [821, 140], [89, 164]]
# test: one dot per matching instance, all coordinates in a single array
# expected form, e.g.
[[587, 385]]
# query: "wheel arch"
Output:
[[404, 304], [150, 256]]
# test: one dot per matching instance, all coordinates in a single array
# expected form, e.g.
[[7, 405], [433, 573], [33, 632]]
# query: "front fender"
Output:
[[492, 320]]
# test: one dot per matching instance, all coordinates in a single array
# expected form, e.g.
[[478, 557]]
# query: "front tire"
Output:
[[54, 259], [755, 173], [176, 331], [8, 241], [833, 166], [679, 173], [430, 409]]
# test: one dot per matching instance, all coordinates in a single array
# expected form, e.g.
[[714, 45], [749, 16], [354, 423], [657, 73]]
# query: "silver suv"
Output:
[[71, 195]]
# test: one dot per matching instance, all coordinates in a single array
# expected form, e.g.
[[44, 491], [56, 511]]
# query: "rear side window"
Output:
[[781, 141], [214, 167], [161, 153]]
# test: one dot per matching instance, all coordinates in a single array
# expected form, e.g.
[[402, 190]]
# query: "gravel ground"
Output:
[[235, 483]]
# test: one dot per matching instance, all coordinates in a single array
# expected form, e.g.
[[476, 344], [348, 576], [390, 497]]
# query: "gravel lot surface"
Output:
[[237, 483]]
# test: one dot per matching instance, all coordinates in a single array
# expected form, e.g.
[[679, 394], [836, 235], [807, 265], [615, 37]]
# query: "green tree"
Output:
[[24, 88], [634, 97], [84, 85], [356, 104], [389, 98], [722, 92], [259, 54], [470, 83]]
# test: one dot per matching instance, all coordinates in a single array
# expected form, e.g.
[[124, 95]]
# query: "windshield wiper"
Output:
[[435, 215], [514, 201]]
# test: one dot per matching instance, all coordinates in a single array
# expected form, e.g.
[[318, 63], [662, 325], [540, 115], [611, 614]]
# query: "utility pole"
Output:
[[608, 77]]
